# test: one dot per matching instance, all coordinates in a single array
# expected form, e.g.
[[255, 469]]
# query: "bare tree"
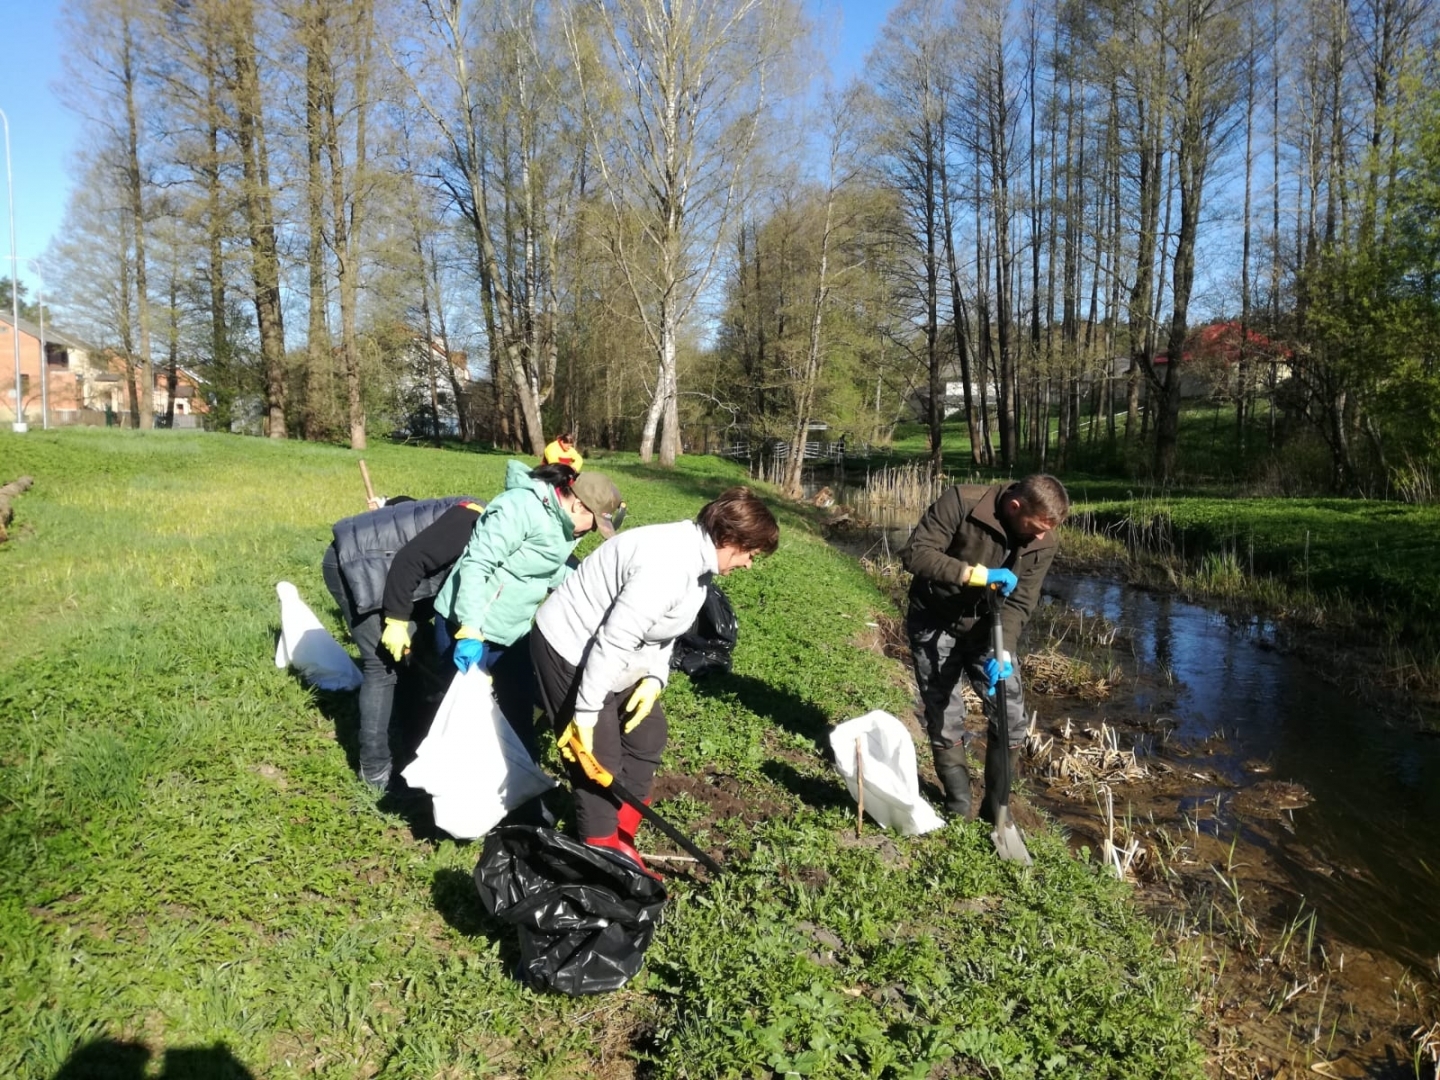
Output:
[[995, 142], [840, 111], [673, 121], [240, 62], [1208, 52], [511, 169], [912, 75], [110, 72]]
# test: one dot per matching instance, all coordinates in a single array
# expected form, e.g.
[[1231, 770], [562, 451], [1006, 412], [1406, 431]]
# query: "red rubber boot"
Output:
[[629, 821], [618, 844]]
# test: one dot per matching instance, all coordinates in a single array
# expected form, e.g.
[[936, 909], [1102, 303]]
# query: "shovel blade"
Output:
[[1009, 844]]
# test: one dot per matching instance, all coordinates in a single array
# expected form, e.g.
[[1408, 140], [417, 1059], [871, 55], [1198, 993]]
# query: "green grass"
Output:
[[186, 859], [1376, 557]]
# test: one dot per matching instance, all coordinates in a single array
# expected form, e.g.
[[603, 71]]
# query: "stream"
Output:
[[1365, 853]]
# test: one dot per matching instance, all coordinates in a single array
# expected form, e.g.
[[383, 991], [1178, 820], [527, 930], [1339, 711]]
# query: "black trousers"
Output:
[[633, 758]]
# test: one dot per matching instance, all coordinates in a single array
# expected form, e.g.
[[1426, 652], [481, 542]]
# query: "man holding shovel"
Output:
[[974, 548]]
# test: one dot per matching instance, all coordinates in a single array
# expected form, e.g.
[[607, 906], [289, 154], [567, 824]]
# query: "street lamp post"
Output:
[[44, 361], [19, 424]]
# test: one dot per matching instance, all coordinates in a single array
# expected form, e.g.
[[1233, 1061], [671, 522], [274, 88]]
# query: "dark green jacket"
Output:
[[962, 529]]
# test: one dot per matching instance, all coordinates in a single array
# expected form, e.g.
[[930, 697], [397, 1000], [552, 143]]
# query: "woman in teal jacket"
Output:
[[516, 555]]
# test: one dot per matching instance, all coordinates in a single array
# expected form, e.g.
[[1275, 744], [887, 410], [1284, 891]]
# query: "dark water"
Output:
[[1366, 853]]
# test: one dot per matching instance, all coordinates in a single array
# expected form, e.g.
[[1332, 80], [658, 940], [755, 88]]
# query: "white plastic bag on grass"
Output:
[[472, 763], [892, 785], [311, 649]]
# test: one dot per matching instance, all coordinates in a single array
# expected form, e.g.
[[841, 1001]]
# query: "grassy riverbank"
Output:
[[188, 862]]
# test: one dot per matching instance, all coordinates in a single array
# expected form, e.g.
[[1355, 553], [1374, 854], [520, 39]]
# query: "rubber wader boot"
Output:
[[955, 777], [619, 846], [993, 765], [629, 822]]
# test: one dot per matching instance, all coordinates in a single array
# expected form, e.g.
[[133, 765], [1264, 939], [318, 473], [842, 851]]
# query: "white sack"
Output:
[[892, 786], [311, 649], [472, 763]]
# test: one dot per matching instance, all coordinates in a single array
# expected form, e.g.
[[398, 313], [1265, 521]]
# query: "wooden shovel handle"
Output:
[[370, 499]]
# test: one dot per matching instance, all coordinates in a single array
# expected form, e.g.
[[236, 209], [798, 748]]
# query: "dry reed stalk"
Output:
[[1115, 856], [905, 487], [1102, 762]]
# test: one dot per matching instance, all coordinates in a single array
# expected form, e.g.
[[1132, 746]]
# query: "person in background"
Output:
[[518, 552], [383, 569], [602, 643], [971, 540], [562, 451]]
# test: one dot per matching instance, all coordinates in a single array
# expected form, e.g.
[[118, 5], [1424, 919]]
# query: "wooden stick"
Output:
[[668, 858], [370, 500], [860, 790]]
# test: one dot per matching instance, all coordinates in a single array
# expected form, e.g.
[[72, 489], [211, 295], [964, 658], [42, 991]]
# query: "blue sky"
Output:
[[43, 134]]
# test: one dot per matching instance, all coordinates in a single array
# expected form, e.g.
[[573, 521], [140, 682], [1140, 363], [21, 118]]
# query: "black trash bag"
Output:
[[585, 917], [705, 648]]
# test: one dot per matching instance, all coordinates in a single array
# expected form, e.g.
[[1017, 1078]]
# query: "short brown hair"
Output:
[[1042, 496], [738, 518]]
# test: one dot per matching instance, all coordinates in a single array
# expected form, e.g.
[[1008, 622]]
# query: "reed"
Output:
[[905, 489]]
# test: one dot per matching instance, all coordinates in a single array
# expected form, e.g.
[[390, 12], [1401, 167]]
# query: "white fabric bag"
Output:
[[472, 763], [311, 649], [892, 785]]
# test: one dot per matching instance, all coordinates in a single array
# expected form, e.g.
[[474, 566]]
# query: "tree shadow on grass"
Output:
[[792, 713], [818, 792], [111, 1059], [418, 692]]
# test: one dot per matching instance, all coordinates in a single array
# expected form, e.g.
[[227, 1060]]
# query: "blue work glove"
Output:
[[469, 649], [995, 670], [1002, 579]]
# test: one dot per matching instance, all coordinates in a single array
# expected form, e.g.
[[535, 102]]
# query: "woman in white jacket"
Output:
[[602, 643]]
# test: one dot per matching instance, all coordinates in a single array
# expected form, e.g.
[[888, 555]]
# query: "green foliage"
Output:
[[186, 857], [758, 367], [9, 301]]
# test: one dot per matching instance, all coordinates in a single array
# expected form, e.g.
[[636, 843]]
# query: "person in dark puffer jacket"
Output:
[[383, 569]]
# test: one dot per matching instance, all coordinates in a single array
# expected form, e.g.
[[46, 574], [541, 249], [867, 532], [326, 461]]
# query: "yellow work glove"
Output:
[[578, 728], [647, 692], [396, 637]]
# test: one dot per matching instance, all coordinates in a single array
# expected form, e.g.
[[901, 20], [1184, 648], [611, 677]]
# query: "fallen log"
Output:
[[7, 512]]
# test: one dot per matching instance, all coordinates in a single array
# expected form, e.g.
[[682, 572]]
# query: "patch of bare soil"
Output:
[[719, 796]]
